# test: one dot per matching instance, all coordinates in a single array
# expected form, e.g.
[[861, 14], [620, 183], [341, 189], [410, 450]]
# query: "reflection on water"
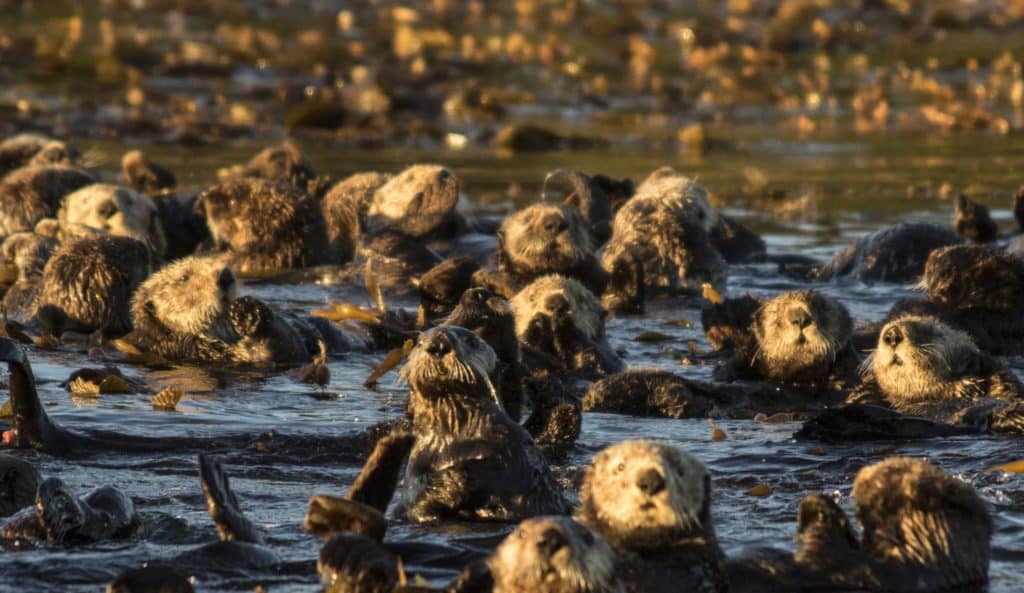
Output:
[[805, 196]]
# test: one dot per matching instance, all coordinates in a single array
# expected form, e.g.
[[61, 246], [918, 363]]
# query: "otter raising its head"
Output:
[[553, 555], [449, 359], [921, 359], [799, 335], [644, 495]]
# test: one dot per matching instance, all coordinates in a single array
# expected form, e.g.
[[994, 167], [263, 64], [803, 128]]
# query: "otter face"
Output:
[[553, 555], [918, 357], [417, 201], [800, 333], [558, 301], [448, 357], [28, 252], [643, 494], [58, 509], [117, 211], [189, 296], [228, 210], [543, 238]]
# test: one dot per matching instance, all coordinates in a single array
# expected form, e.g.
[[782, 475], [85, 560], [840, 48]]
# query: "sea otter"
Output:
[[87, 285], [189, 311], [735, 242], [442, 286], [60, 518], [652, 502], [925, 379], [922, 531], [29, 194], [418, 202], [972, 220], [986, 306], [894, 254], [266, 226], [801, 337], [344, 209], [544, 239], [470, 460], [145, 176], [116, 211], [33, 149], [663, 230], [284, 162], [559, 317]]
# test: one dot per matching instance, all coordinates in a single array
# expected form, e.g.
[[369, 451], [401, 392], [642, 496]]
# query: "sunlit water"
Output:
[[857, 185]]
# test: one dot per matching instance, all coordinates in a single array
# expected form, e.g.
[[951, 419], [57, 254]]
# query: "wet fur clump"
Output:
[[554, 555], [88, 284], [646, 392], [116, 211], [558, 316], [665, 229], [60, 518], [469, 461], [547, 239], [265, 225], [652, 502], [29, 194]]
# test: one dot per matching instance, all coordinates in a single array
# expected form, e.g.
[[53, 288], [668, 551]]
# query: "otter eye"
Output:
[[587, 537], [183, 277], [700, 214], [150, 307], [621, 467]]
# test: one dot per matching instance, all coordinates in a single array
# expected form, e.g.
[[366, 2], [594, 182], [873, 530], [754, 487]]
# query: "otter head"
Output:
[[417, 202], [449, 361], [26, 253], [553, 555], [643, 495], [917, 359], [284, 162], [973, 220], [190, 296], [996, 278], [682, 192], [490, 317], [55, 152], [543, 238], [116, 211], [916, 517], [19, 483], [799, 334], [58, 510]]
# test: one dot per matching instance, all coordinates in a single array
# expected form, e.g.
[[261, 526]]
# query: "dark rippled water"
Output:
[[853, 186]]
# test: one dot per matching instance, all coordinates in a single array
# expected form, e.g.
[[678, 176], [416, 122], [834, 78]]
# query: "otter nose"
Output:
[[651, 482], [226, 279], [551, 541], [555, 224], [439, 344], [800, 317], [557, 304], [479, 295], [892, 336]]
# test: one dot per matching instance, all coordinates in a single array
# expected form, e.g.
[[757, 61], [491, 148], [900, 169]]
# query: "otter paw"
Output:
[[329, 515], [250, 317]]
